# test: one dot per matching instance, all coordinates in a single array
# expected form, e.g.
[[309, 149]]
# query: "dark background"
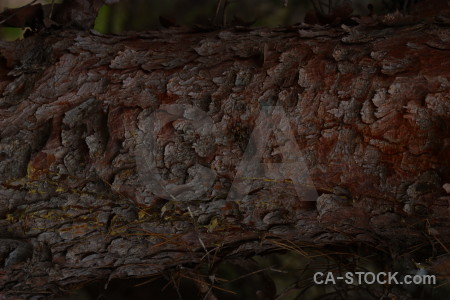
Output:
[[128, 15]]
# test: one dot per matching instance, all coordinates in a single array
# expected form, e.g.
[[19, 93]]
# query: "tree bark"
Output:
[[118, 152]]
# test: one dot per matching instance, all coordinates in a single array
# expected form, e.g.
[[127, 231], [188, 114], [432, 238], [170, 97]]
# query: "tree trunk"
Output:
[[130, 155]]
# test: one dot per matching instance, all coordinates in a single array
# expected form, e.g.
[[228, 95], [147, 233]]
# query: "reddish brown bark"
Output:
[[369, 110]]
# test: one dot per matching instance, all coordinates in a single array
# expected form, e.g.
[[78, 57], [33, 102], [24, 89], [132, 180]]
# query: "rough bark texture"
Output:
[[369, 110]]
